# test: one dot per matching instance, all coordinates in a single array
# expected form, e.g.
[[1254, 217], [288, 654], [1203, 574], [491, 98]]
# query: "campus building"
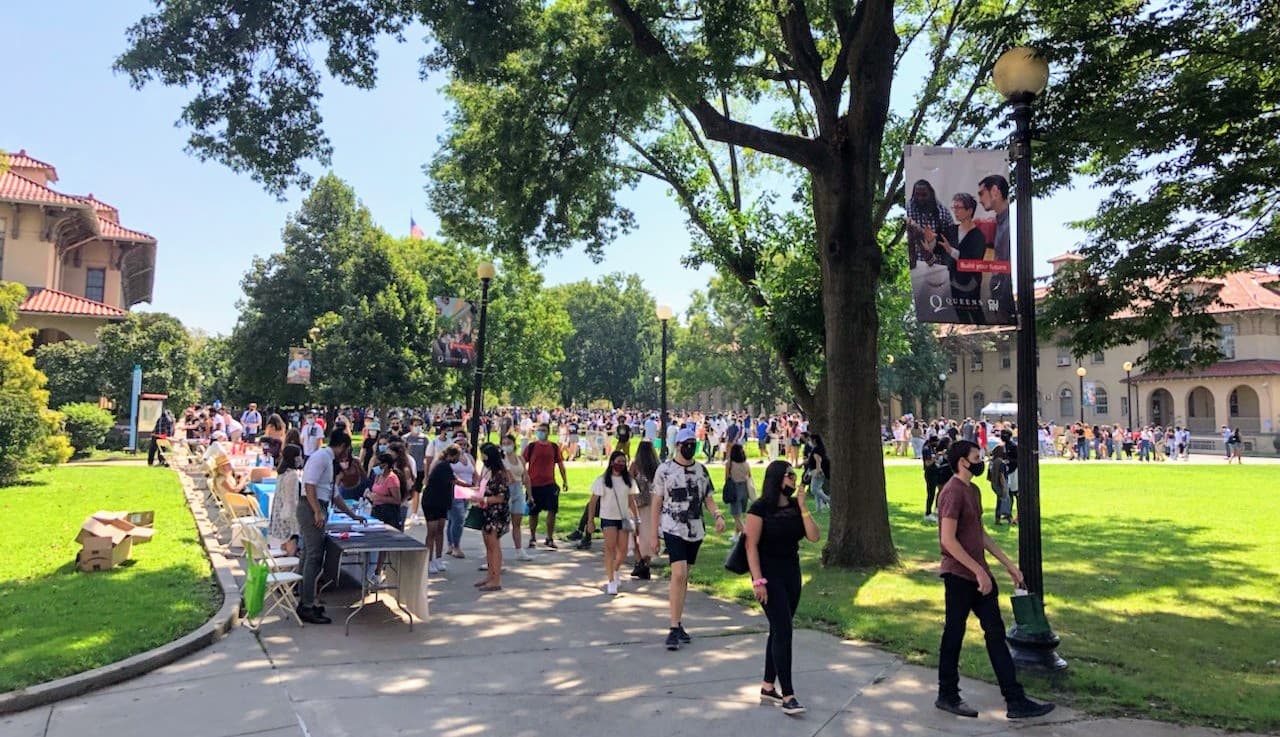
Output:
[[1242, 390], [81, 267]]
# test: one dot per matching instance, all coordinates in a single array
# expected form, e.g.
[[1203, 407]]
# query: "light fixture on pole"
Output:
[[664, 314], [942, 394], [1081, 371], [1128, 384], [1020, 75], [485, 271]]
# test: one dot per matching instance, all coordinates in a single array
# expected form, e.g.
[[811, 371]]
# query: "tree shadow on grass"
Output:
[[67, 621]]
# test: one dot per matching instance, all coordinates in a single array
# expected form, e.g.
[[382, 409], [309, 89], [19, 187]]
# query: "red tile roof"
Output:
[[109, 212], [53, 302], [15, 187], [113, 231], [1221, 369], [21, 160]]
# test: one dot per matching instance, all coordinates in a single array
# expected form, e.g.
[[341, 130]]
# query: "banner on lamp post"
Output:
[[1090, 393], [299, 371], [455, 345], [959, 235]]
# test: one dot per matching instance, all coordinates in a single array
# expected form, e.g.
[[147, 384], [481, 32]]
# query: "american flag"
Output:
[[415, 230]]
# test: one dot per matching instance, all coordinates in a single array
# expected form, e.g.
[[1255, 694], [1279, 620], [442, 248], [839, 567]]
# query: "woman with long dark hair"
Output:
[[818, 466], [497, 513], [775, 525], [613, 495], [643, 469], [737, 484]]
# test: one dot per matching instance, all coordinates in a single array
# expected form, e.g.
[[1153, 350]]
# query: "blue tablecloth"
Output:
[[264, 491]]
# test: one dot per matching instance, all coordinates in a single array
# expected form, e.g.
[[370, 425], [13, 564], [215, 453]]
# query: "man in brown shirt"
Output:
[[970, 587]]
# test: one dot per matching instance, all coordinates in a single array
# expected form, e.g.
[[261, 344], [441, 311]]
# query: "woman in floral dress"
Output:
[[497, 514]]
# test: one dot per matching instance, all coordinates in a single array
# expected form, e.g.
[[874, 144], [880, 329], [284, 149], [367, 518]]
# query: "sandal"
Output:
[[479, 583], [490, 588]]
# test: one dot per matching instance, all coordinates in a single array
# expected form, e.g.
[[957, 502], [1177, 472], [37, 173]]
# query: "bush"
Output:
[[86, 425], [22, 430]]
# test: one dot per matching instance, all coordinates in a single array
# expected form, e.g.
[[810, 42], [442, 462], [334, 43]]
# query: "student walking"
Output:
[[775, 525], [970, 587], [681, 488], [613, 498]]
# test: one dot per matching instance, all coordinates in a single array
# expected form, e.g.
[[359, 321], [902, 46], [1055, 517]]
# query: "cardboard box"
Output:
[[107, 538]]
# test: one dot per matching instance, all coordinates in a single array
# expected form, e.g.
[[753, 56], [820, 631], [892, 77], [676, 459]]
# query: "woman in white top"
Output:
[[613, 495], [517, 485]]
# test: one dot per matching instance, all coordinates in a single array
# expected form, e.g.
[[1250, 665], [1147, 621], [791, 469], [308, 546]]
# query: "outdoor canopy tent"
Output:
[[1001, 409]]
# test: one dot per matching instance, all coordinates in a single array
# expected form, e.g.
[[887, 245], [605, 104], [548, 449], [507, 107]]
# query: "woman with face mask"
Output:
[[518, 481], [283, 528], [613, 496], [775, 525]]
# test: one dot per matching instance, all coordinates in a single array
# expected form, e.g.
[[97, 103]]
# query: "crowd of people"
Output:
[[412, 470]]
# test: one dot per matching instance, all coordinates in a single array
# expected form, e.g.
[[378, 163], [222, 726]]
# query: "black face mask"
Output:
[[977, 468], [687, 450], [788, 491]]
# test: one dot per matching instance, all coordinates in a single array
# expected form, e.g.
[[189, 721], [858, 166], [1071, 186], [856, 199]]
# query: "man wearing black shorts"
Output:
[[540, 460], [681, 489]]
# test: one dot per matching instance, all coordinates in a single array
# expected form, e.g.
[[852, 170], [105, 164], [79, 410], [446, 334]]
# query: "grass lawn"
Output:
[[59, 621], [1162, 581]]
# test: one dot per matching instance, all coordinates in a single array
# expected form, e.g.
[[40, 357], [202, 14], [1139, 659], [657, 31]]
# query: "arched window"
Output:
[[953, 405], [979, 401], [1066, 404], [1100, 401], [1006, 396]]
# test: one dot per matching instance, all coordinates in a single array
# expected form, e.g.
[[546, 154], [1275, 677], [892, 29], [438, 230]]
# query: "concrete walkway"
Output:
[[549, 655]]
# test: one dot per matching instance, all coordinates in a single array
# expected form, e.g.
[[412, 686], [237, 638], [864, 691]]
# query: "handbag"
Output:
[[475, 519], [628, 525], [1028, 613], [736, 561]]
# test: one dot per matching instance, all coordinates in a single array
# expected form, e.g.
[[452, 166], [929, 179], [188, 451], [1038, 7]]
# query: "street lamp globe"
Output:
[[942, 377], [1021, 73], [664, 312], [1128, 366], [486, 270], [1081, 371], [889, 359]]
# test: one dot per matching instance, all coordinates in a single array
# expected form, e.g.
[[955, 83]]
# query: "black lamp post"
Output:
[[1020, 75], [1081, 371], [664, 314], [485, 271], [1128, 385], [942, 395]]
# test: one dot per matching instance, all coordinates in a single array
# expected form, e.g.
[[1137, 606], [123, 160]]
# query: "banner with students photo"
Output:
[[299, 371], [455, 346], [959, 234]]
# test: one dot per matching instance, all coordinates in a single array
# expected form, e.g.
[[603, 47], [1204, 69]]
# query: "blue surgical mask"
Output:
[[382, 447], [542, 435], [377, 470]]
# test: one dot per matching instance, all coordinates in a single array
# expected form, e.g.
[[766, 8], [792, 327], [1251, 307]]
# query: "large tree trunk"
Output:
[[859, 534]]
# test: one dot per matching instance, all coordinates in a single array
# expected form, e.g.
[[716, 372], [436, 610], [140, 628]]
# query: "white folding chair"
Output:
[[282, 576]]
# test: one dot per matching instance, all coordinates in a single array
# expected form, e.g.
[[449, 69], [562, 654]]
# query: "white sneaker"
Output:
[[433, 566], [931, 518], [612, 588], [441, 566], [523, 554]]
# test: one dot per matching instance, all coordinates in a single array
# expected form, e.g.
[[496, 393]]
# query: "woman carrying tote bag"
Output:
[[613, 495]]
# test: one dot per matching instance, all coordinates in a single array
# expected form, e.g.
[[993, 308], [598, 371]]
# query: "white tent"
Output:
[[1001, 409]]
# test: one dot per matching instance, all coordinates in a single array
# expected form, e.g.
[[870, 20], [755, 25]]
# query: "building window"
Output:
[[95, 284], [3, 226], [953, 404], [1100, 401], [1227, 341], [1006, 396], [1037, 356], [952, 363], [1233, 404], [979, 401], [1006, 358], [1066, 404], [1097, 357], [1064, 356], [975, 361], [1124, 406]]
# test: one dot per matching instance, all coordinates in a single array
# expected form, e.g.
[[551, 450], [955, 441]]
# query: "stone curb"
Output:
[[227, 617]]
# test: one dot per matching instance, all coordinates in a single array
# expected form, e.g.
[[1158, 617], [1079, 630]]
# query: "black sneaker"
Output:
[[311, 616], [1025, 708], [673, 639], [550, 544], [791, 707], [574, 536], [684, 636], [770, 696], [642, 572], [957, 706], [583, 544]]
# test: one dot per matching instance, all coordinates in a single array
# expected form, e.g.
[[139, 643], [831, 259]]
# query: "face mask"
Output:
[[687, 450], [508, 448], [977, 468], [619, 467], [542, 435], [382, 447], [788, 490], [377, 470]]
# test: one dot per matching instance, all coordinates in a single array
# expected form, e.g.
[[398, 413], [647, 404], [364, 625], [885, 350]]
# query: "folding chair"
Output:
[[236, 511], [282, 576]]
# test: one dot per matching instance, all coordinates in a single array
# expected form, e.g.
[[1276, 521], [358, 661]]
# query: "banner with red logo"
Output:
[[959, 234]]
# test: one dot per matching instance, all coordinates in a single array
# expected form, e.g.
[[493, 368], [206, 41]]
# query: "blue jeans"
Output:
[[453, 529]]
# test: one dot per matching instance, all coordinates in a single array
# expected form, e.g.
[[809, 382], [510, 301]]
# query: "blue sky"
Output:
[[68, 108]]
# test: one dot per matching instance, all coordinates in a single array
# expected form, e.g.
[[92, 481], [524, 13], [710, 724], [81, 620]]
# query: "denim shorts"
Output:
[[517, 503]]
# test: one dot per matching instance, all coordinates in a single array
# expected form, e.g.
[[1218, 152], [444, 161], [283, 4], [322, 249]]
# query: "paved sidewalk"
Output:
[[549, 655]]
